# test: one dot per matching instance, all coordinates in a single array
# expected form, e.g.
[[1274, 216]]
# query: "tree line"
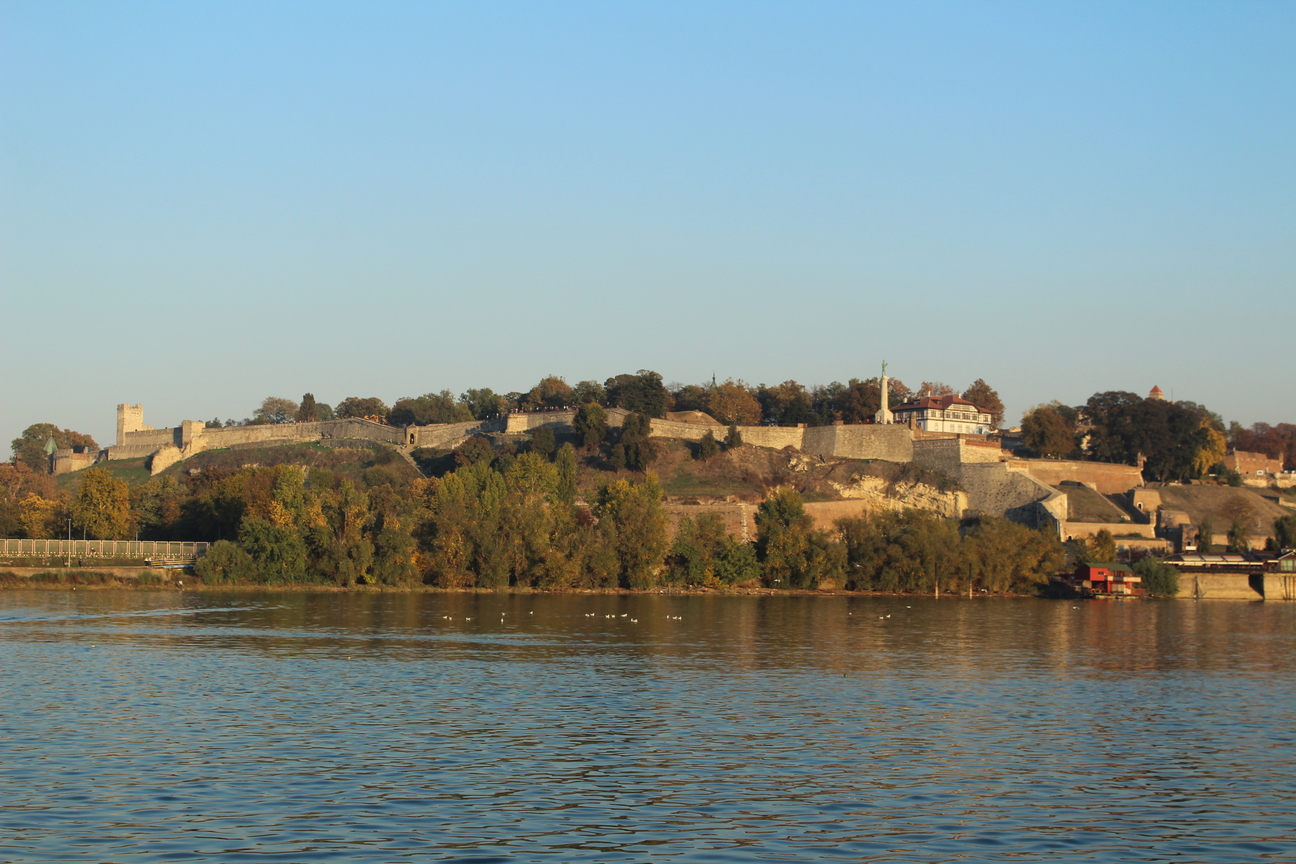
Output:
[[516, 517], [1174, 440]]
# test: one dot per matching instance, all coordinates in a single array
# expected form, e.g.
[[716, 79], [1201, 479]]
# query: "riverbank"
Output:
[[152, 579]]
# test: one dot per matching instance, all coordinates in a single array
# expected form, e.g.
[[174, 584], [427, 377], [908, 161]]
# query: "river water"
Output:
[[142, 727]]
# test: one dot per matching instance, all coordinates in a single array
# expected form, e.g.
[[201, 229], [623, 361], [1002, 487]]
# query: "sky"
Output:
[[204, 204]]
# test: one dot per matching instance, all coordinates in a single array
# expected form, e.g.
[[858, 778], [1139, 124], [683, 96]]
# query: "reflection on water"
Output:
[[371, 727]]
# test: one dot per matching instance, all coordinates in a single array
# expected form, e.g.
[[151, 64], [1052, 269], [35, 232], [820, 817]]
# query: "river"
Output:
[[305, 727]]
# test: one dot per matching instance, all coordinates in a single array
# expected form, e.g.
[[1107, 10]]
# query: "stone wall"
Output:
[[450, 435], [1077, 530], [68, 460], [1221, 586], [890, 443], [1105, 477], [994, 490]]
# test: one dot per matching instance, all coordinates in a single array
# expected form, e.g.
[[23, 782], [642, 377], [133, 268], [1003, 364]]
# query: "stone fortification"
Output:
[[450, 435], [1106, 478]]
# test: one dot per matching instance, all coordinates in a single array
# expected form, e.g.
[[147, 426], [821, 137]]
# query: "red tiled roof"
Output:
[[942, 402]]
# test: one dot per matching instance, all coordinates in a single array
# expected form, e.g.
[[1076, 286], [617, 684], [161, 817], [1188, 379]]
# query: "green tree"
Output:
[[429, 409], [792, 553], [634, 525], [591, 425], [29, 448], [1158, 578], [551, 392], [639, 450], [1048, 432], [306, 412], [1205, 537], [1284, 532], [361, 407], [277, 551], [542, 441], [708, 447], [643, 393], [483, 404], [588, 392], [102, 506], [225, 562], [733, 438], [1100, 548], [565, 462], [1238, 541], [276, 409]]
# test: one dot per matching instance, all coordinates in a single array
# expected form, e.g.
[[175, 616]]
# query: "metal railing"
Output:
[[137, 549]]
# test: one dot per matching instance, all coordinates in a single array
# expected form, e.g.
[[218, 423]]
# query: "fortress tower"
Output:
[[130, 418]]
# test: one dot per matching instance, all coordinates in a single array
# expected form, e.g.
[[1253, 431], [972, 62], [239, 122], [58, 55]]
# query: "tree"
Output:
[[732, 403], [591, 425], [551, 392], [542, 441], [29, 448], [483, 404], [690, 397], [708, 447], [17, 481], [1205, 537], [987, 399], [306, 412], [275, 409], [587, 392], [428, 409], [1158, 578], [787, 404], [636, 443], [361, 407], [642, 392], [1238, 542], [565, 462], [225, 562], [936, 388], [1046, 431], [278, 551], [1284, 528], [733, 438], [633, 523], [102, 507], [793, 554], [1100, 548]]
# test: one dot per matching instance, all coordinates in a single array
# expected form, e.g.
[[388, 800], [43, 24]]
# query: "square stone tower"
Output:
[[130, 418]]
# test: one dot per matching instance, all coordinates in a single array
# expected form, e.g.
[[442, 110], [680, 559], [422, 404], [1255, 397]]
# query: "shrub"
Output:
[[225, 562], [1159, 578]]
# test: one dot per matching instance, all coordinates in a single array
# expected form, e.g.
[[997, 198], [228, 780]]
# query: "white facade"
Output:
[[945, 414]]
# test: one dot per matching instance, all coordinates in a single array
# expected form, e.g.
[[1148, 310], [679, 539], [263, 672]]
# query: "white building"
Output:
[[944, 414]]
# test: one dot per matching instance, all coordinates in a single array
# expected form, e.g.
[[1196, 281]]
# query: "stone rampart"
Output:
[[994, 490], [889, 443], [1106, 478], [1077, 530], [450, 435], [525, 421], [68, 460]]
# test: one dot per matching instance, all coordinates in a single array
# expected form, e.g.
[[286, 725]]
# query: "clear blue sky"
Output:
[[203, 204]]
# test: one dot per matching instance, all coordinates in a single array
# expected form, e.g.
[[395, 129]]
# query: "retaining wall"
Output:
[[1221, 586], [1106, 477]]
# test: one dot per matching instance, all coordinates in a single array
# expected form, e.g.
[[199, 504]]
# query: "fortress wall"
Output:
[[1088, 529], [774, 437], [524, 422], [68, 460], [972, 450], [686, 431], [942, 454], [447, 435], [995, 490], [154, 438], [132, 451], [1107, 478], [890, 443]]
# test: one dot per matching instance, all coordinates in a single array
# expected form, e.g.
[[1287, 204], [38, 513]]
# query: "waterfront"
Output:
[[143, 726]]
